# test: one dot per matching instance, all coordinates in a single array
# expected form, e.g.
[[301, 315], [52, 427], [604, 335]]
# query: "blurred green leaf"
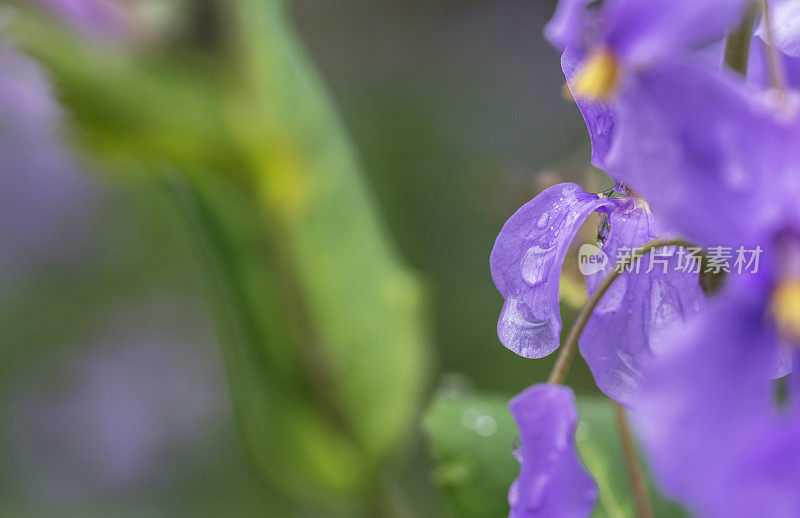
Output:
[[476, 468], [320, 325]]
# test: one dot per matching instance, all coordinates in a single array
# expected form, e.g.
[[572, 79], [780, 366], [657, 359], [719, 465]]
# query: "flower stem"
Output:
[[633, 465], [564, 359], [737, 46], [777, 77]]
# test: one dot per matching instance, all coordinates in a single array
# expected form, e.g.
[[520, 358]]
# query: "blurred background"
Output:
[[148, 368]]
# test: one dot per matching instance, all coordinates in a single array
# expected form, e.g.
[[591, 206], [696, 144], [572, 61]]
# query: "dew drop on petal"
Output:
[[536, 265], [543, 220]]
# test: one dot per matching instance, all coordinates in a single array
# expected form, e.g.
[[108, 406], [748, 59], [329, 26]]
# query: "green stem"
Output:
[[737, 46], [633, 465], [564, 359]]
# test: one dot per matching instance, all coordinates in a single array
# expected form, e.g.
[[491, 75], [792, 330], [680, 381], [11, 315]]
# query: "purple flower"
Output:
[[713, 157], [721, 162], [708, 415], [45, 201], [621, 35], [718, 161], [96, 18], [552, 482], [629, 323]]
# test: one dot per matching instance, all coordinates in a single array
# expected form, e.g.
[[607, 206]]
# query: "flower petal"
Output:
[[785, 18], [702, 405], [705, 150], [552, 481], [757, 67], [642, 31], [639, 32], [642, 307], [526, 266], [598, 115], [570, 22]]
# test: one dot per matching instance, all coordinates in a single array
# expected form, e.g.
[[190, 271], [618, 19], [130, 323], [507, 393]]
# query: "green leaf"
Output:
[[321, 326], [475, 470], [471, 438]]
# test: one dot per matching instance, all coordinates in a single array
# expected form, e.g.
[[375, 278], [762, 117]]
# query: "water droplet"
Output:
[[536, 265], [543, 220], [486, 425], [516, 449]]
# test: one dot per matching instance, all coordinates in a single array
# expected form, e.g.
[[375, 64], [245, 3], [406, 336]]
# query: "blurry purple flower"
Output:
[[708, 416], [552, 482], [611, 38], [629, 324], [95, 18], [44, 200], [114, 417], [721, 162], [637, 32], [714, 158]]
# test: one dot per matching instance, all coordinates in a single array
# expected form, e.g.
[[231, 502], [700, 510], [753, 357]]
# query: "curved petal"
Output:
[[526, 266], [785, 18], [641, 31], [598, 115], [702, 407], [552, 481], [641, 309], [706, 152], [569, 24]]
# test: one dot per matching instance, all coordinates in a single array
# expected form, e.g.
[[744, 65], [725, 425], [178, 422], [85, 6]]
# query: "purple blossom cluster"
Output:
[[698, 152]]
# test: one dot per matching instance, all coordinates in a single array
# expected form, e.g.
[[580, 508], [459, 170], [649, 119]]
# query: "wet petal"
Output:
[[552, 481], [526, 266], [641, 309]]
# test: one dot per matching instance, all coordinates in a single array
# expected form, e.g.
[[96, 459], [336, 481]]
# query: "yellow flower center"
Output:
[[598, 77], [785, 306]]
